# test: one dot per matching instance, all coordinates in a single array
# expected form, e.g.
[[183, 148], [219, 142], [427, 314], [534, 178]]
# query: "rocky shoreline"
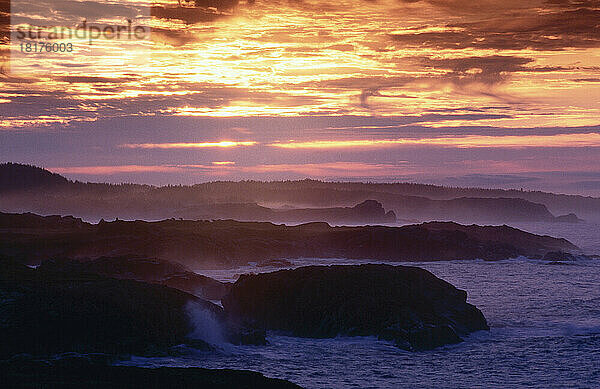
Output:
[[122, 288], [46, 312], [32, 239]]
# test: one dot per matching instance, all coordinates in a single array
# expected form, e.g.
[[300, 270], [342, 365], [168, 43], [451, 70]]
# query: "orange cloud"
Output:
[[470, 141], [336, 169], [187, 145]]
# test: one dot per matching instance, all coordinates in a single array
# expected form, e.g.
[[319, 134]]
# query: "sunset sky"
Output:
[[465, 93]]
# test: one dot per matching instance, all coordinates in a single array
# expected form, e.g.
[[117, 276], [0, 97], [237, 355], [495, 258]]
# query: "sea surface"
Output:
[[544, 319]]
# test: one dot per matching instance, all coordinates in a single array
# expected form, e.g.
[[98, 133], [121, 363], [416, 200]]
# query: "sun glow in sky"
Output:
[[203, 145], [444, 86]]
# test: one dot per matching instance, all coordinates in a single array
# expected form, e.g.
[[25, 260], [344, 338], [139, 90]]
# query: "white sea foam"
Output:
[[206, 325]]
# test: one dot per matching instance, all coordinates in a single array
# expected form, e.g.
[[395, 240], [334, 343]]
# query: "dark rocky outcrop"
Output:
[[374, 209], [228, 243], [78, 372], [43, 312], [368, 211], [151, 270], [408, 305]]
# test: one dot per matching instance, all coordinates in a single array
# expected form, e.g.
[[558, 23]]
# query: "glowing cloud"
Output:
[[187, 145], [337, 169], [471, 141]]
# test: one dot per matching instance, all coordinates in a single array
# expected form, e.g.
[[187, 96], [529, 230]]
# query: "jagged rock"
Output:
[[390, 217]]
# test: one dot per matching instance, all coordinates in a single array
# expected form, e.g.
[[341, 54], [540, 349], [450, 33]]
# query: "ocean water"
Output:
[[545, 333]]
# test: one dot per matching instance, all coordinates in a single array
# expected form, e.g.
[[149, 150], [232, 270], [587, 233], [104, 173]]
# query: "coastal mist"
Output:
[[288, 194], [544, 320]]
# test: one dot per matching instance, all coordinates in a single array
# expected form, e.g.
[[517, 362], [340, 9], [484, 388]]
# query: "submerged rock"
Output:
[[558, 256], [407, 305], [559, 263], [430, 337]]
